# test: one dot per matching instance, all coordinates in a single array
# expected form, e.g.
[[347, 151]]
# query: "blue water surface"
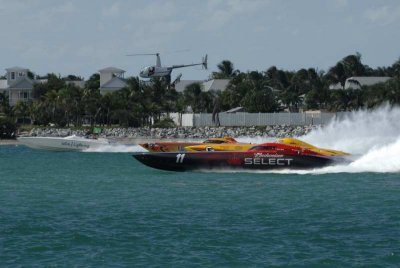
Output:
[[108, 210]]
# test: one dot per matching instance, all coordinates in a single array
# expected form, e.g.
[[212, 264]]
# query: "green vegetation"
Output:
[[146, 104], [275, 90], [164, 123], [7, 128]]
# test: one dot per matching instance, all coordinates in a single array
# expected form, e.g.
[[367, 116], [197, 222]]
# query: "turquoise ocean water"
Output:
[[106, 209]]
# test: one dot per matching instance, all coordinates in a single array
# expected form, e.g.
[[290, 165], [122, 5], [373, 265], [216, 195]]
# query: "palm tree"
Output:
[[191, 96], [277, 79], [396, 69], [260, 100], [21, 110], [353, 65], [36, 112], [51, 99], [94, 82], [5, 104], [91, 99], [337, 74], [226, 70], [291, 99], [346, 100]]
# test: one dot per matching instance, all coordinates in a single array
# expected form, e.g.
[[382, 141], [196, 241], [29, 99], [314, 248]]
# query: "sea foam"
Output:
[[371, 136]]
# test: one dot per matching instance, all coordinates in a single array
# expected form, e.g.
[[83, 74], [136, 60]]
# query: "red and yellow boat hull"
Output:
[[180, 146]]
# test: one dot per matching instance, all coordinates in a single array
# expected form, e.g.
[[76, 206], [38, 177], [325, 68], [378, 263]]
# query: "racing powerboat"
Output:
[[70, 143], [180, 146], [266, 156]]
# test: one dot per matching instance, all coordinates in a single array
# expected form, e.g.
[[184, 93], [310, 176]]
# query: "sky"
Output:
[[81, 37]]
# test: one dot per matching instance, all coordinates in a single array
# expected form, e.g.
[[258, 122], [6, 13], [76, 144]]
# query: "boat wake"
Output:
[[117, 148], [380, 160]]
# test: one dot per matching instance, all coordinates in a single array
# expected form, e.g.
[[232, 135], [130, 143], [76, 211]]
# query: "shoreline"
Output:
[[9, 142], [123, 141]]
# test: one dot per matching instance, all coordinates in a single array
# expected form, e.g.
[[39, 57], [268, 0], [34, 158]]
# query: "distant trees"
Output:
[[383, 92], [53, 83], [21, 110], [143, 104], [250, 90], [4, 104], [275, 89], [200, 101], [225, 70], [8, 128], [395, 69], [72, 77]]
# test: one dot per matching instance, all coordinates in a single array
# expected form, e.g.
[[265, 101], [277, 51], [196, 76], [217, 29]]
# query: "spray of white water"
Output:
[[372, 137], [359, 132], [380, 160]]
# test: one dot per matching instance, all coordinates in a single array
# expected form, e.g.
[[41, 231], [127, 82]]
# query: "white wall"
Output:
[[254, 119], [184, 120]]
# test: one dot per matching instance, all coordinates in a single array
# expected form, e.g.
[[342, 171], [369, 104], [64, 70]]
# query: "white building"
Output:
[[18, 84], [356, 82], [111, 79], [216, 84], [208, 85], [182, 84], [77, 83]]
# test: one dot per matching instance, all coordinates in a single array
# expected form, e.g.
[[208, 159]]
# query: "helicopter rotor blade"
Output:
[[144, 54]]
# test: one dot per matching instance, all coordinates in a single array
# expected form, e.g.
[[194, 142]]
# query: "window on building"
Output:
[[24, 95], [12, 75], [21, 74]]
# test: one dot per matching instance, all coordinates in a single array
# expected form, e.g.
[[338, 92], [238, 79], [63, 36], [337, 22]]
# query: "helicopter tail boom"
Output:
[[203, 63]]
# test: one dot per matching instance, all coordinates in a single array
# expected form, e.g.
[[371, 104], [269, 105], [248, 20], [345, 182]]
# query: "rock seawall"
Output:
[[182, 132]]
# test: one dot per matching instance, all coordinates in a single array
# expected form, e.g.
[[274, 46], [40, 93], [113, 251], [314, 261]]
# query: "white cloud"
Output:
[[63, 9], [342, 3], [155, 11], [153, 26], [383, 15], [260, 29], [220, 13], [14, 5], [50, 17], [112, 11]]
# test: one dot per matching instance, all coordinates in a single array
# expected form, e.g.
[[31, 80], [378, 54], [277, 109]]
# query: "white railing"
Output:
[[256, 119]]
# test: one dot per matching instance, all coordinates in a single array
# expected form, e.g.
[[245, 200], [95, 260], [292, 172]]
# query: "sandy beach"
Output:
[[9, 142]]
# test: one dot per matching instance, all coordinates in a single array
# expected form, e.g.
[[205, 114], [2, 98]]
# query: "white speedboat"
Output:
[[70, 143]]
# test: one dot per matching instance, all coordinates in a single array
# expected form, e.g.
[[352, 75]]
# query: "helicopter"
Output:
[[160, 71]]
